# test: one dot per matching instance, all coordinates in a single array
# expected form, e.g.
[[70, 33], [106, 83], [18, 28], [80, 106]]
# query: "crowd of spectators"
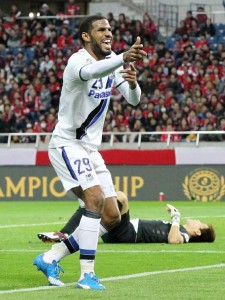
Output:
[[182, 79]]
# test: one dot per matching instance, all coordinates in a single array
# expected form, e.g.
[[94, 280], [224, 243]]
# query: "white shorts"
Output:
[[78, 166]]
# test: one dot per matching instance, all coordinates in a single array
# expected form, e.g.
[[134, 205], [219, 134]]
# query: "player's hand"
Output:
[[130, 75], [171, 209], [135, 53], [174, 212]]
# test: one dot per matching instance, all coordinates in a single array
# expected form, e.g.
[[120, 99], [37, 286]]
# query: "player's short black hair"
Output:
[[207, 235], [86, 25]]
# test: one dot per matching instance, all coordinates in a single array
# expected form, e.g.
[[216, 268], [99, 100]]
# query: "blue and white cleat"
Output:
[[51, 271], [90, 282]]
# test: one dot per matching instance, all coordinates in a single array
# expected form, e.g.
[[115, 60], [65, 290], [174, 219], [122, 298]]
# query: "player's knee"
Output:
[[99, 203], [96, 202], [122, 198], [112, 219], [116, 219]]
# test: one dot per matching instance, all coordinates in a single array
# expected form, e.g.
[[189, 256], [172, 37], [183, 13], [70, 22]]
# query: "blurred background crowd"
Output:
[[182, 79]]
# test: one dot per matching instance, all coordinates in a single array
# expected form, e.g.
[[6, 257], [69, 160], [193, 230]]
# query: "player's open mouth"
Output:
[[107, 43]]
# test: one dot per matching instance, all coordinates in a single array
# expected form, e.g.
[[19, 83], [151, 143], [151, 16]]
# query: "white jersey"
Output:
[[84, 103]]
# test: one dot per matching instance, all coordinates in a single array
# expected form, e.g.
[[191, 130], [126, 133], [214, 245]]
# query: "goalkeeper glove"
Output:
[[174, 212]]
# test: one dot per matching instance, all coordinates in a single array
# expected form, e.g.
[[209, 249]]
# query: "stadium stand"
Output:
[[182, 80]]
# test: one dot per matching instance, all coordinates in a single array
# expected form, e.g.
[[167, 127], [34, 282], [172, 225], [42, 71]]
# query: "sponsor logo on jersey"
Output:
[[101, 95], [204, 185], [89, 177]]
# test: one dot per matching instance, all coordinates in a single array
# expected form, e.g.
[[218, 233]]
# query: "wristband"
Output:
[[175, 223], [176, 218]]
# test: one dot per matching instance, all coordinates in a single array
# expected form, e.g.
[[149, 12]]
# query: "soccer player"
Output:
[[142, 231], [88, 80]]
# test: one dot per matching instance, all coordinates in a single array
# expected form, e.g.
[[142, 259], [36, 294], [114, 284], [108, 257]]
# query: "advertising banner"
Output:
[[164, 182]]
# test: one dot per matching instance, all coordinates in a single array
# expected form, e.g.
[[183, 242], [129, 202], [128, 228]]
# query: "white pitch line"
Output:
[[30, 225], [119, 278], [199, 217], [123, 251], [163, 272], [162, 251]]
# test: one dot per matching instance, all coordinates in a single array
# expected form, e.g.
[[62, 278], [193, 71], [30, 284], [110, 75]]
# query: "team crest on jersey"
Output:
[[88, 60], [110, 81]]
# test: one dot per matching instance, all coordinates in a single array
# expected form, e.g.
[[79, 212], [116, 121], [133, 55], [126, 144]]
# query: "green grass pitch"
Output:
[[129, 271]]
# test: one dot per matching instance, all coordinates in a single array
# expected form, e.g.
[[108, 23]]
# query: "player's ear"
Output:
[[198, 232], [85, 37]]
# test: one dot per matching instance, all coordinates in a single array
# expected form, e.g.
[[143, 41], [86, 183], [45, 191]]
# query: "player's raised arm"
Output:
[[174, 236], [104, 67]]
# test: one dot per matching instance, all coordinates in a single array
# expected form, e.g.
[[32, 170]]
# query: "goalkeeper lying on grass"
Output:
[[142, 231]]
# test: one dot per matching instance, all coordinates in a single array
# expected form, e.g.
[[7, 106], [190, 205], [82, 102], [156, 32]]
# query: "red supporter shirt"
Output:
[[18, 112], [174, 137], [153, 63], [186, 84], [50, 126], [33, 104], [118, 46], [192, 122], [149, 27], [72, 9], [54, 87], [64, 41], [150, 50], [200, 43], [36, 39], [37, 127]]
